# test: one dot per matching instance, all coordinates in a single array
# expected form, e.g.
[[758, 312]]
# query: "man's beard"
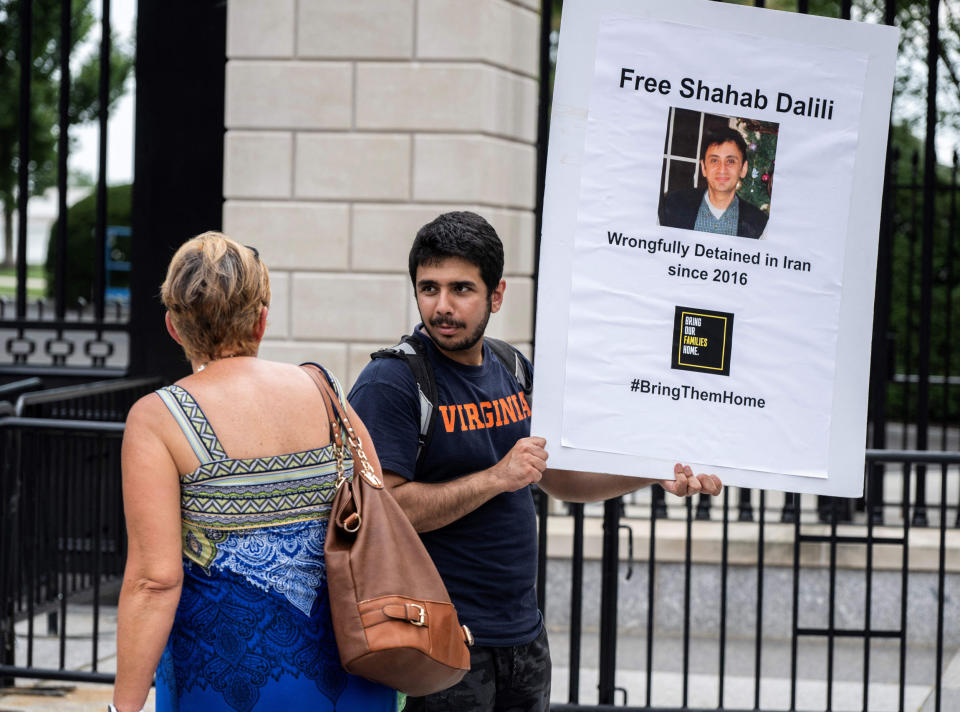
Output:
[[467, 342]]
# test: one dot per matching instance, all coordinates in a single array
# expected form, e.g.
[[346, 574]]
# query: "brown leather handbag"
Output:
[[392, 616]]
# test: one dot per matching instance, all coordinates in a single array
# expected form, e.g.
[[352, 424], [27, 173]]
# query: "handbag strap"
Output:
[[339, 422]]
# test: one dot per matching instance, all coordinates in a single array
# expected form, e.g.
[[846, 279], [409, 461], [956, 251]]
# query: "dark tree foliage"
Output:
[[84, 105]]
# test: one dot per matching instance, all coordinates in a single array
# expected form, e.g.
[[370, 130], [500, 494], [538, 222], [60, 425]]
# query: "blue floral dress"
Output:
[[253, 629]]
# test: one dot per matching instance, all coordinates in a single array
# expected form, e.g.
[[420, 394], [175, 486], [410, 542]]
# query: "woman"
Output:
[[227, 481]]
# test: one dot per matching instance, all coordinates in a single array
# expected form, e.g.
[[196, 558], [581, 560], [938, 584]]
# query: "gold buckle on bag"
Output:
[[422, 621]]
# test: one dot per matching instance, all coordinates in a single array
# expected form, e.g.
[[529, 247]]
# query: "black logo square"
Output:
[[702, 340]]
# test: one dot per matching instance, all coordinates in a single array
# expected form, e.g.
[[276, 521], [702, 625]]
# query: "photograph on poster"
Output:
[[717, 173]]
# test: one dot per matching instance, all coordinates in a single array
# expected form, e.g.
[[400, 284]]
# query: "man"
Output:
[[469, 496], [716, 208]]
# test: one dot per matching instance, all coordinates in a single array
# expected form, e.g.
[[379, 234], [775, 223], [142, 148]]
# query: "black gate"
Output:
[[78, 350], [96, 313]]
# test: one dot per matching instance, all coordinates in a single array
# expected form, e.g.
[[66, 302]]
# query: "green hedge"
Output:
[[81, 226]]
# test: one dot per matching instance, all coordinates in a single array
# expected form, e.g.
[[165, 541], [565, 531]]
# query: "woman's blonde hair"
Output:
[[214, 290]]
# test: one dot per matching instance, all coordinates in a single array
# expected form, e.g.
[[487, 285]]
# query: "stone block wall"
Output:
[[350, 125]]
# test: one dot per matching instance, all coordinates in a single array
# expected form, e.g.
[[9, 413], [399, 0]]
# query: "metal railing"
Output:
[[725, 663], [100, 400], [61, 525], [72, 545]]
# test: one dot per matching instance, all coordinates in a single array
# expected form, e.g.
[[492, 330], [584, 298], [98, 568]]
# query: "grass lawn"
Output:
[[8, 281]]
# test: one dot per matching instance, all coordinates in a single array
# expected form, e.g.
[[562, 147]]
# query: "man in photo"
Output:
[[717, 207]]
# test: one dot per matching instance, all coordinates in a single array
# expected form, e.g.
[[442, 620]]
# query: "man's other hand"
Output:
[[523, 465], [687, 484]]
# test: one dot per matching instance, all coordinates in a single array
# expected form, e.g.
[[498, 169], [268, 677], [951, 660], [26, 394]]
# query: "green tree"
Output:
[[44, 94]]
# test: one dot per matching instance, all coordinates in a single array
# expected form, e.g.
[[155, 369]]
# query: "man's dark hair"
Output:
[[718, 136], [459, 234]]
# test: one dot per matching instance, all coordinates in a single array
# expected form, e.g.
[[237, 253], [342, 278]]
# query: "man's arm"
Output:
[[572, 486], [431, 505]]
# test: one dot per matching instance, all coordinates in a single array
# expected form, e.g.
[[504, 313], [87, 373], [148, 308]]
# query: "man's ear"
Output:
[[261, 324], [496, 296], [743, 171], [171, 329]]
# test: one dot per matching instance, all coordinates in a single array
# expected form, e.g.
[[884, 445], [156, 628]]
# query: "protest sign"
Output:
[[709, 242]]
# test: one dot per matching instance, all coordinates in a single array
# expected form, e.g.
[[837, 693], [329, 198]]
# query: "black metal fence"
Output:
[[100, 400], [61, 522], [63, 537], [749, 643], [75, 326]]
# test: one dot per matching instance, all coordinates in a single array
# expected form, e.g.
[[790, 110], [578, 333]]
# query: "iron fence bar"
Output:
[[9, 510], [23, 154], [881, 361], [100, 242], [22, 323], [926, 259], [795, 609], [724, 562], [758, 643], [576, 604], [52, 674], [941, 583], [58, 371], [947, 351], [63, 150], [90, 426], [745, 507], [563, 707], [21, 385], [35, 525], [826, 539], [868, 592], [905, 568], [704, 502], [658, 504], [543, 136], [790, 509], [831, 607], [608, 600], [687, 567], [53, 395], [63, 553], [908, 456], [908, 322], [846, 633], [97, 545], [651, 592], [949, 310]]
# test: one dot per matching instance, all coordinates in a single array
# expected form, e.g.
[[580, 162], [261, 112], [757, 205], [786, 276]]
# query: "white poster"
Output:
[[715, 249]]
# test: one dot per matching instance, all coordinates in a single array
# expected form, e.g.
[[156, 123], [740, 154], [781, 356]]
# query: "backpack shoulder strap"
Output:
[[413, 352], [512, 360]]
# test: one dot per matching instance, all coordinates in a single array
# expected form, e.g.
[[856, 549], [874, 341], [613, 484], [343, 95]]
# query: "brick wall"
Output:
[[351, 124]]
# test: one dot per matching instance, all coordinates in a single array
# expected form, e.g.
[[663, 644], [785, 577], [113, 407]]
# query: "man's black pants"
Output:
[[513, 678]]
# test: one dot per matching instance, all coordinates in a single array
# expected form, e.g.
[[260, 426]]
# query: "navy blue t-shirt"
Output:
[[488, 558]]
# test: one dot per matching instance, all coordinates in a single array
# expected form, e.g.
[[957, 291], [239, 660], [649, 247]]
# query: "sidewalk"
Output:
[[58, 697]]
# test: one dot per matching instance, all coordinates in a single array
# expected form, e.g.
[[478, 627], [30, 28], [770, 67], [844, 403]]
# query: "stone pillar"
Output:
[[351, 124]]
